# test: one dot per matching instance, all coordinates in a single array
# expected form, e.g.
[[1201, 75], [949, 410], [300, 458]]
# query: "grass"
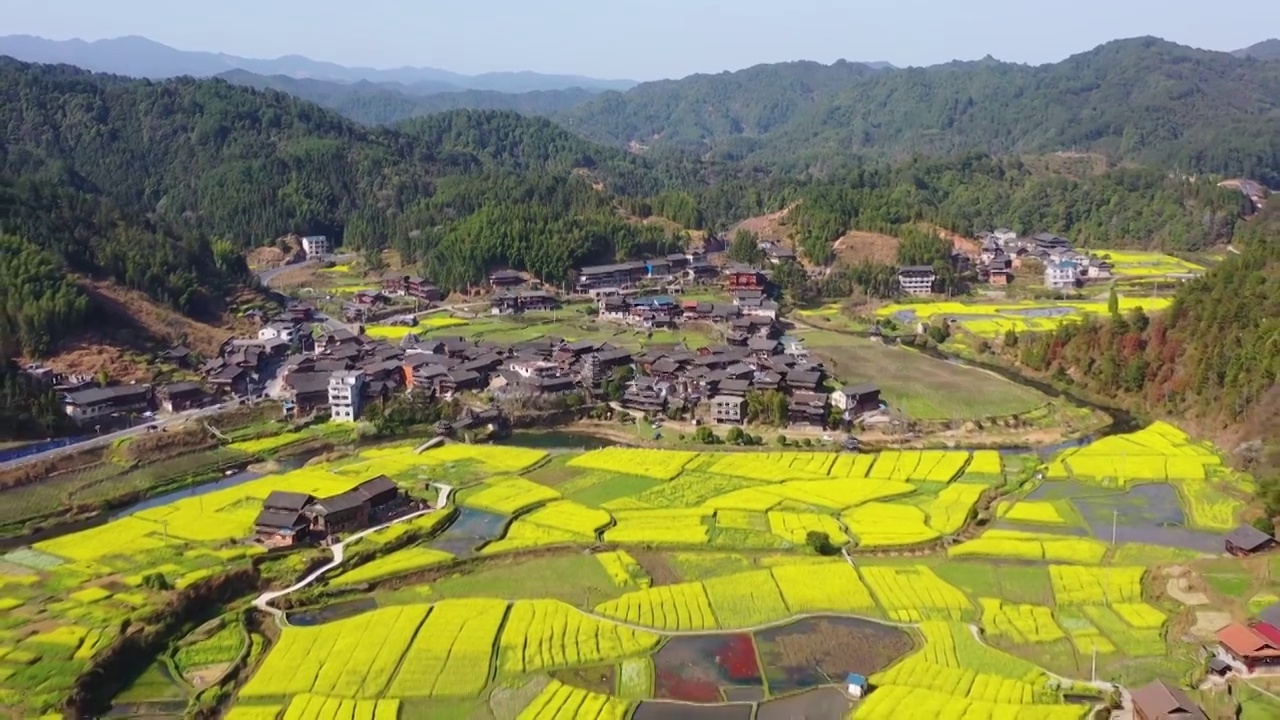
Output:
[[918, 385], [574, 578]]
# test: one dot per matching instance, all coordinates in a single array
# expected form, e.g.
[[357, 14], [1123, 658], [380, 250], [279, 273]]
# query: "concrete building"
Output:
[[916, 279], [345, 389], [316, 245], [1061, 275], [84, 406], [728, 409]]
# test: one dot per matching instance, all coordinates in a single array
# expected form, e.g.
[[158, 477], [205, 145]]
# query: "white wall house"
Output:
[[1061, 275], [314, 245], [345, 389]]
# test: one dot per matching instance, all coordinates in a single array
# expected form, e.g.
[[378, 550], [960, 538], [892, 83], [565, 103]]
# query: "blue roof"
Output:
[[855, 679]]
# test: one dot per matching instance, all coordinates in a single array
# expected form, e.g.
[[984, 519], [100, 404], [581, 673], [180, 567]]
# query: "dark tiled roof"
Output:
[[284, 500], [1248, 537], [279, 519]]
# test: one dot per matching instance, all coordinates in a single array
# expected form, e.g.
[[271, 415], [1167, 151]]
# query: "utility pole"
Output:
[[1094, 671], [1115, 518]]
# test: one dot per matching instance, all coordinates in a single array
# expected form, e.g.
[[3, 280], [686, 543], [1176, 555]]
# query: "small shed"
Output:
[[1160, 701], [856, 685], [1248, 540], [1218, 666]]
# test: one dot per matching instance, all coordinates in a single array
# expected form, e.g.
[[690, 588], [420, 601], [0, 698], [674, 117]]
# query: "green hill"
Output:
[[1143, 100]]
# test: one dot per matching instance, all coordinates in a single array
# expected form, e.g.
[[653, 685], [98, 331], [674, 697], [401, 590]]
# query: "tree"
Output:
[[782, 440], [820, 542], [734, 435], [1010, 338], [705, 435], [1265, 524], [1113, 302], [745, 248]]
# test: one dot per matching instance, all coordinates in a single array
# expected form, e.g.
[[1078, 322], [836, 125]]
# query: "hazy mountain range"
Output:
[[1265, 50], [140, 57]]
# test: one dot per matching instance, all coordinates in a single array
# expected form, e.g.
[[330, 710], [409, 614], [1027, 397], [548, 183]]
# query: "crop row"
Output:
[[1074, 585], [660, 464], [684, 606], [877, 524], [895, 702], [830, 586], [319, 707], [796, 526], [774, 467], [1031, 511], [558, 701], [523, 534], [920, 465], [660, 527], [1017, 545], [353, 657], [507, 496], [450, 655], [1019, 623], [950, 509], [745, 599], [398, 562], [914, 593], [838, 494], [549, 634], [622, 569]]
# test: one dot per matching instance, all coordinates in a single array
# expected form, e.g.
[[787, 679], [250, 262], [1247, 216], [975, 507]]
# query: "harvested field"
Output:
[[814, 651], [818, 704], [658, 710], [856, 247], [698, 668]]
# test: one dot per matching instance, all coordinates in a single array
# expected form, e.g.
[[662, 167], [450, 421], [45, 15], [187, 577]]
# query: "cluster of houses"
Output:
[[291, 518], [1003, 252], [714, 383]]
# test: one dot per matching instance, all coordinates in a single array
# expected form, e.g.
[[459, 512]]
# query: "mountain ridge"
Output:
[[137, 56], [1141, 100]]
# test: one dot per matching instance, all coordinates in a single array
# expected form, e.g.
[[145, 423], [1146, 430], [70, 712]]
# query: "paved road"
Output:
[[108, 438], [263, 601]]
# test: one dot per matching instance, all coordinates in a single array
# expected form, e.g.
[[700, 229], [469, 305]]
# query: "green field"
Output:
[[702, 542], [920, 386]]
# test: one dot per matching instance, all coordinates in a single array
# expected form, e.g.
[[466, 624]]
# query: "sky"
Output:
[[644, 40]]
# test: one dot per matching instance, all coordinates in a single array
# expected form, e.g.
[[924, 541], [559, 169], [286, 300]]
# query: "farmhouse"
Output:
[[728, 409], [176, 397], [855, 399], [281, 523], [1247, 540], [505, 278], [1160, 701], [1061, 275], [86, 405], [1253, 646]]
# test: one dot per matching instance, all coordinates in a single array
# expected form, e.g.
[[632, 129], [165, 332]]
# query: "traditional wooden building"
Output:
[[1251, 646], [1160, 701], [1247, 540]]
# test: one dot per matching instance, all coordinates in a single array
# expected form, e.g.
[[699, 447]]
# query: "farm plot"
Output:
[[877, 524], [992, 320], [744, 600], [558, 701], [451, 653], [659, 464], [813, 651], [354, 657], [308, 706], [1073, 585], [670, 607], [622, 569], [774, 467], [1156, 453], [660, 527], [794, 527], [1031, 511], [852, 467], [1017, 545], [548, 634], [838, 494], [829, 585], [507, 496], [914, 593], [691, 489], [707, 668], [951, 508], [570, 517], [1020, 623], [523, 534], [399, 562]]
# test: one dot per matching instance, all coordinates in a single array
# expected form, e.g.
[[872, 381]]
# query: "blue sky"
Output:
[[646, 39]]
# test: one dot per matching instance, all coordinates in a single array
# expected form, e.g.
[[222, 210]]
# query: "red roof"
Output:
[[1268, 631]]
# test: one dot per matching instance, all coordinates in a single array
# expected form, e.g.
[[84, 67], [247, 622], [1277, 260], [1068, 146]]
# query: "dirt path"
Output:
[[263, 601], [1177, 590]]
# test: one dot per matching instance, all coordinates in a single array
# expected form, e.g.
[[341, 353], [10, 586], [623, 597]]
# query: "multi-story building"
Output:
[[916, 279], [316, 245], [345, 390], [83, 406], [728, 409], [1061, 275]]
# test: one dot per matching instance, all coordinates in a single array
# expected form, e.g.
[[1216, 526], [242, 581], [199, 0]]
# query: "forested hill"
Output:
[[247, 165], [160, 185], [384, 104], [1143, 100]]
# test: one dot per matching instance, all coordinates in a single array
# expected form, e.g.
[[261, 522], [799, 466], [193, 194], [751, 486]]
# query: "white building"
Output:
[[316, 245], [1061, 275], [345, 389], [277, 330], [917, 279]]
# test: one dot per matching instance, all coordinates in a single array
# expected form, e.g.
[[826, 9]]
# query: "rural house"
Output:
[[1160, 701], [1247, 540], [1256, 646], [84, 406], [916, 279]]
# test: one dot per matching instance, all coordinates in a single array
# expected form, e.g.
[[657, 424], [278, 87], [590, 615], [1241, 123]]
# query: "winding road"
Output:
[[263, 601]]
